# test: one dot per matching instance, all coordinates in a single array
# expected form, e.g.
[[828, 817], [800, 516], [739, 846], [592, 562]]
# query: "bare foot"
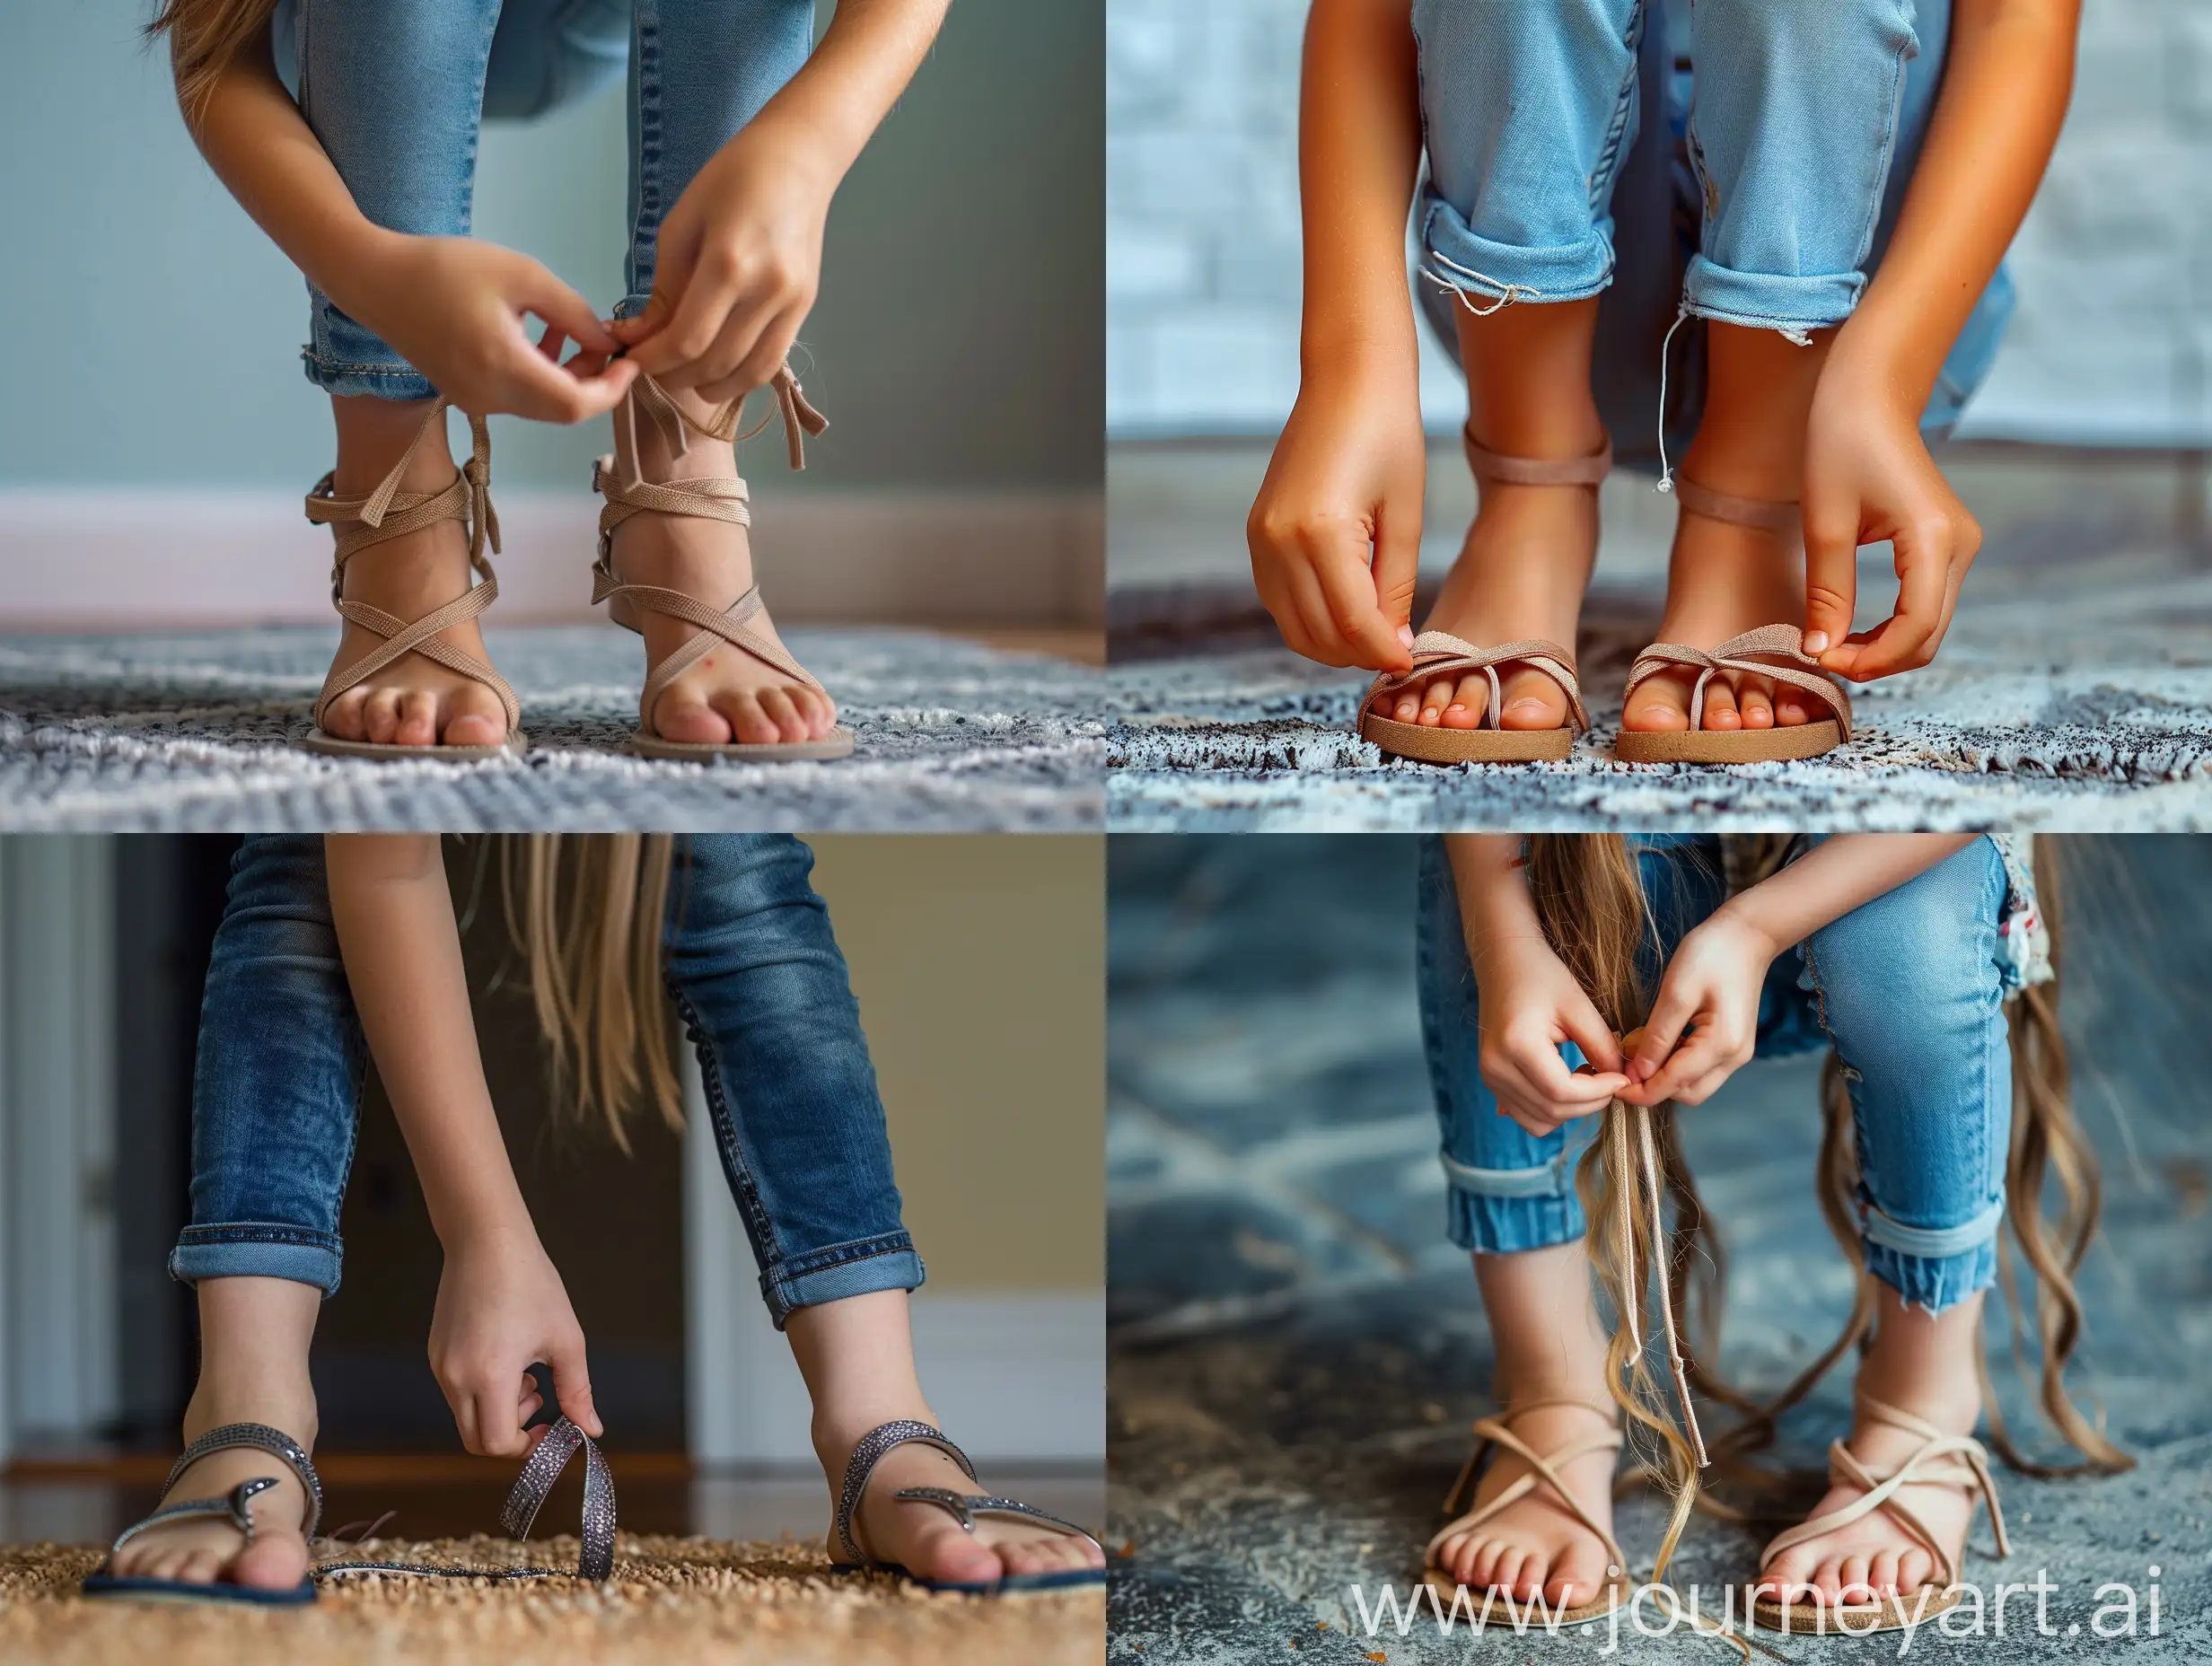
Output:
[[413, 701], [1520, 573], [1537, 1544], [929, 1542], [728, 695], [206, 1550], [1723, 579]]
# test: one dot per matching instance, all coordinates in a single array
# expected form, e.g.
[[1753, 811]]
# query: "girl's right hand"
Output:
[[1529, 1004], [501, 1309], [454, 308], [1335, 532]]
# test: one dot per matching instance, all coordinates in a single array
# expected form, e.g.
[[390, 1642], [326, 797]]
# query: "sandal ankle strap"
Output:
[[236, 1437], [1510, 470], [1779, 516]]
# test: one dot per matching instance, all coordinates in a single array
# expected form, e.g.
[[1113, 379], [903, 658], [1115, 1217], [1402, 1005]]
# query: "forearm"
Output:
[[1495, 904], [2005, 85], [1835, 877], [1359, 151], [402, 951], [262, 149], [849, 83]]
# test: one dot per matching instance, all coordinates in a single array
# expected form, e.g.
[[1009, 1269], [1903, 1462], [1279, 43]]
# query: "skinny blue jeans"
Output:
[[757, 980], [1738, 160], [1909, 989], [395, 91]]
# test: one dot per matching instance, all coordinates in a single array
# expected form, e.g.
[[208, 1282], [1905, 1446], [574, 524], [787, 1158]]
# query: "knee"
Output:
[[1921, 955]]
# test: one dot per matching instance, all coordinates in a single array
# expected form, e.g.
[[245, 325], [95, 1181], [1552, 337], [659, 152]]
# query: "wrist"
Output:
[[1872, 368], [1743, 916]]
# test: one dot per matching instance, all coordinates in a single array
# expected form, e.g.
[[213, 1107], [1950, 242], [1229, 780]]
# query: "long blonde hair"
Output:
[[206, 37], [1591, 902], [585, 911]]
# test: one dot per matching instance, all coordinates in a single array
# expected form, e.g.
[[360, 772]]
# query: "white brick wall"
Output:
[[2112, 343]]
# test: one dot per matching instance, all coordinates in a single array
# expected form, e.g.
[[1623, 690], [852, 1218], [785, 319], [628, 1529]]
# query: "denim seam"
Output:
[[347, 367], [1882, 174], [744, 1189], [257, 1232], [798, 1266], [647, 44], [1609, 159]]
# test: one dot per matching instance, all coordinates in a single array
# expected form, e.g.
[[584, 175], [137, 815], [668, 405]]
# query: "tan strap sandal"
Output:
[[1954, 1460], [1438, 654], [387, 512], [617, 478], [1495, 1434], [1775, 651]]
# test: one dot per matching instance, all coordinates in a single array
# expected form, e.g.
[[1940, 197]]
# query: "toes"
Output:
[[277, 1562], [1408, 707], [680, 715], [202, 1567], [1755, 702], [343, 717], [418, 718], [749, 724], [1482, 1566], [1789, 709], [1855, 1586], [1434, 699], [1720, 706], [1469, 701], [381, 715], [777, 705], [1508, 1576], [1658, 705], [956, 1556], [1882, 1574], [1531, 701], [474, 717]]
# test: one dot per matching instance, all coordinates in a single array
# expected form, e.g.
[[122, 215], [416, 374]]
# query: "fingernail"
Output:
[[1405, 635], [1816, 642]]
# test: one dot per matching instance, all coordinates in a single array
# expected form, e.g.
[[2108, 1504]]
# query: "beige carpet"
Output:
[[672, 1599]]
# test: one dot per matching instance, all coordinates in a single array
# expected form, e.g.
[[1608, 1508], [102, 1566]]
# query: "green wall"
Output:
[[154, 333]]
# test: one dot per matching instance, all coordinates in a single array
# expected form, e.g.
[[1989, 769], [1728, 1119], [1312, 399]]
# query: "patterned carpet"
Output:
[[188, 732], [670, 1599], [2073, 700]]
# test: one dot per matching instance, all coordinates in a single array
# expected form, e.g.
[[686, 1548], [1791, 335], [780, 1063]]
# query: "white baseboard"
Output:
[[1015, 1376], [88, 559]]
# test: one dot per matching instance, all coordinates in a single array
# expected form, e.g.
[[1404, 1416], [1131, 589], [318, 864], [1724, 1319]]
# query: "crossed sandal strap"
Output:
[[1497, 1432], [1510, 470], [1776, 651], [869, 1450], [389, 513], [1437, 652], [233, 1505], [1952, 1461]]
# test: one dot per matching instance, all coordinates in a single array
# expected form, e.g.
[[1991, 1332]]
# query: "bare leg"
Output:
[[411, 702], [728, 695], [1527, 558], [1724, 579], [857, 1356], [1544, 1322], [254, 1336], [1922, 1363]]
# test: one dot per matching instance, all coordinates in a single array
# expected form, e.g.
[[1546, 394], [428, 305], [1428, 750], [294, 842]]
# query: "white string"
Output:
[[1666, 470], [1507, 293]]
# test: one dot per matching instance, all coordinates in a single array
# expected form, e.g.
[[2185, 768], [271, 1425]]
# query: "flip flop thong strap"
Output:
[[1510, 470], [1954, 1460], [387, 512], [234, 1507], [965, 1507], [1776, 651], [1437, 654], [867, 1452], [236, 1437], [1495, 1431]]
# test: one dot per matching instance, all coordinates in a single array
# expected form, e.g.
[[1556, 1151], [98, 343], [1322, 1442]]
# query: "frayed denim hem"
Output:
[[1792, 306], [1933, 1283]]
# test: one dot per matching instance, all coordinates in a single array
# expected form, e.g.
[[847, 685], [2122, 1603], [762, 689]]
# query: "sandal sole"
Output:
[[1894, 1613], [1449, 1591], [1740, 746], [330, 746], [836, 743], [1421, 743], [110, 1587]]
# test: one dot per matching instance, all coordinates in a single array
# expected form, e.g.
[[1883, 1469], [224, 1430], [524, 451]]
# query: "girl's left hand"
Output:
[[738, 263], [1711, 990]]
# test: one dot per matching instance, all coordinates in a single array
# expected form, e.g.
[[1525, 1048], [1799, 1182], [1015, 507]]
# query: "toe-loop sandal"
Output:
[[617, 478], [1958, 1462], [1438, 654], [852, 1557], [1775, 651], [387, 512], [1491, 1606], [235, 1507], [562, 1441]]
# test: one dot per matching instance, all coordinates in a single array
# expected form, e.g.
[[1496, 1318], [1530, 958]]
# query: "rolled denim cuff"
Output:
[[343, 357], [630, 306], [1792, 304], [1932, 1267], [257, 1249], [1507, 1210], [853, 1269], [1456, 256]]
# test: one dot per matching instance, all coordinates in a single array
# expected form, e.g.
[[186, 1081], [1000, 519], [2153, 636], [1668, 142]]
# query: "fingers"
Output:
[[703, 297], [1669, 1014], [560, 306], [1929, 553], [1831, 570], [572, 1384], [1592, 1035], [1370, 638], [1396, 572], [537, 388], [771, 351], [465, 1421]]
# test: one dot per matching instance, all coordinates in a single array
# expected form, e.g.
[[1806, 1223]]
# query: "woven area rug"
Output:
[[188, 732], [671, 1599], [2044, 711]]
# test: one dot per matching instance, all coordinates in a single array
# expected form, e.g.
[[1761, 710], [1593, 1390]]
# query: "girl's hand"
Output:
[[1529, 1004], [739, 263], [1346, 479], [454, 308], [501, 1309], [1711, 989], [1868, 477]]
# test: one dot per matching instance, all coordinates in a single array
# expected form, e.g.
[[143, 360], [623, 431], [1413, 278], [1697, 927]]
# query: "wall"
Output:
[[2110, 345], [955, 345]]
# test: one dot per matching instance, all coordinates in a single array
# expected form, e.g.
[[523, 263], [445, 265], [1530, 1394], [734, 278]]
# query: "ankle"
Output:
[[281, 1400], [836, 1431]]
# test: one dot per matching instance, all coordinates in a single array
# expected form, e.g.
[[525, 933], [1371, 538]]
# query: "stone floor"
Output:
[[1296, 1349]]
